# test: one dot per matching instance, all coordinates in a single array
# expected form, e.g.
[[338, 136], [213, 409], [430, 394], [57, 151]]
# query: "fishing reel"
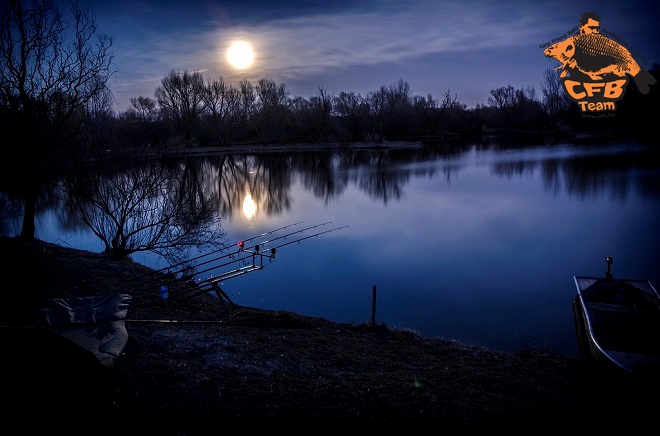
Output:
[[257, 249]]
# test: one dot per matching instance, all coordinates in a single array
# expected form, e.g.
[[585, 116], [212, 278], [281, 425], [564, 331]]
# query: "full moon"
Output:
[[240, 55]]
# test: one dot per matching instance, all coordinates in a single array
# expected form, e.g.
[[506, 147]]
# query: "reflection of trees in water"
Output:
[[266, 178], [592, 175], [180, 202], [318, 174], [15, 191], [510, 169], [200, 190], [271, 182], [648, 184], [11, 209], [373, 172], [381, 182], [589, 177], [383, 174], [149, 206]]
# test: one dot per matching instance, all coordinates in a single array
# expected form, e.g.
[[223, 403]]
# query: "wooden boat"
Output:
[[618, 323]]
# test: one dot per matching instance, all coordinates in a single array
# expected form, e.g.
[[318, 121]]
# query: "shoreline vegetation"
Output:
[[195, 367]]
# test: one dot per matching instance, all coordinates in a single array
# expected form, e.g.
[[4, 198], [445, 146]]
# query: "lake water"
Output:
[[478, 244]]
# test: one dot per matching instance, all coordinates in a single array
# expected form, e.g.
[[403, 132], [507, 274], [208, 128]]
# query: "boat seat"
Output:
[[621, 294]]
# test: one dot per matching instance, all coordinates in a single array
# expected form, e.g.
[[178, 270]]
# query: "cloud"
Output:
[[310, 44], [473, 44]]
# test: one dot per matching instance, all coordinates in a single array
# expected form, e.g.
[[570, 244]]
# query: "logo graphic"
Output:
[[597, 67]]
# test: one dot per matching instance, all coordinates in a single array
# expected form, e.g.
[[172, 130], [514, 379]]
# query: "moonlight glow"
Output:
[[240, 55], [249, 208]]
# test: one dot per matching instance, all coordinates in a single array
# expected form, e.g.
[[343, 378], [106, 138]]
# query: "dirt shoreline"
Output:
[[196, 368]]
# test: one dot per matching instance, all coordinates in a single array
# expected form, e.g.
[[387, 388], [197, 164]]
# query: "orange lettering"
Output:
[[610, 90], [614, 90], [570, 88], [593, 88]]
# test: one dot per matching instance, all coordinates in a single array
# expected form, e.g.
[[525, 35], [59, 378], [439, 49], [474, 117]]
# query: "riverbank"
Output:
[[195, 367]]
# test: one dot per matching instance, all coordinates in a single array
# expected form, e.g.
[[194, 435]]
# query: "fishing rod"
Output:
[[251, 254], [302, 239], [262, 253], [183, 279], [210, 283], [223, 247], [257, 246], [241, 245]]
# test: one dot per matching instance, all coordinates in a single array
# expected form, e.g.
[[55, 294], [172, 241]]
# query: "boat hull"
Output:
[[618, 324]]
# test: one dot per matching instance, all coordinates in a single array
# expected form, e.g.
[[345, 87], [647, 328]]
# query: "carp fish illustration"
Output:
[[596, 55]]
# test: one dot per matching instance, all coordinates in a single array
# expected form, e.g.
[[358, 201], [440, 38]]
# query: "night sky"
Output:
[[466, 47]]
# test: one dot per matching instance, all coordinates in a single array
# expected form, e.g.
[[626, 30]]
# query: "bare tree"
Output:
[[347, 103], [141, 123], [149, 207], [555, 100], [427, 114], [377, 101], [450, 103], [312, 118], [450, 112], [49, 71], [270, 116], [352, 112], [99, 120], [181, 98], [146, 109], [320, 114], [401, 121], [517, 107], [502, 98], [224, 109]]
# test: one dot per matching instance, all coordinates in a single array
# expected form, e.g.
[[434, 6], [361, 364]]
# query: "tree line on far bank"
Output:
[[193, 111]]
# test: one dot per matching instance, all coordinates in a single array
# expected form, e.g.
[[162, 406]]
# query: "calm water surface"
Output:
[[480, 245]]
